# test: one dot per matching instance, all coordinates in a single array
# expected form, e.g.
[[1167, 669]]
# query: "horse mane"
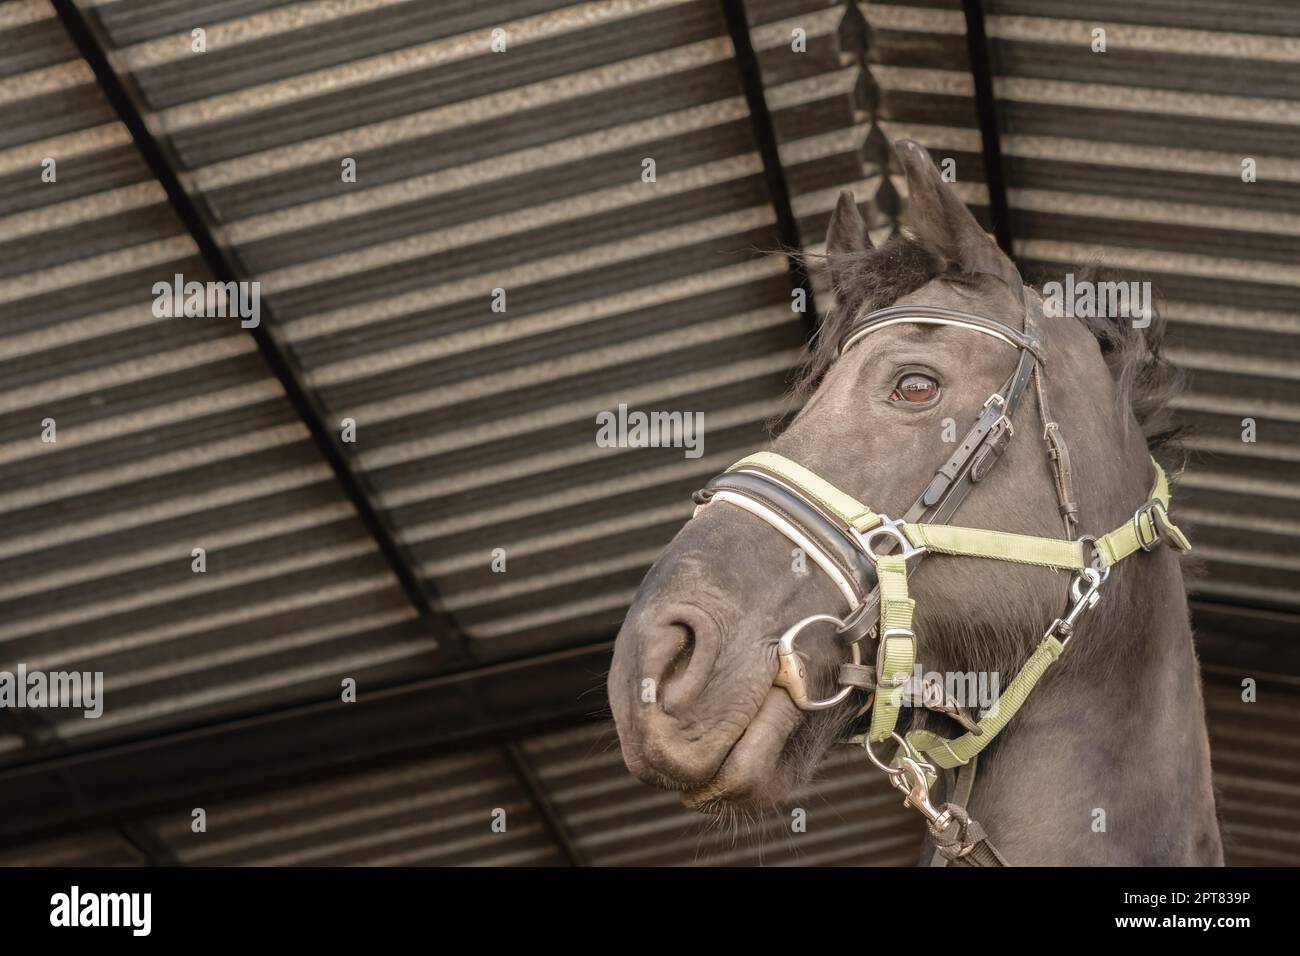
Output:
[[1145, 376], [1146, 379]]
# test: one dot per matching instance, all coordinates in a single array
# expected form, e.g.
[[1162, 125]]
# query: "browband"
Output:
[[935, 315]]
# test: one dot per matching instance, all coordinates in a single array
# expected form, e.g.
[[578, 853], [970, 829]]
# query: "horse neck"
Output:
[[1108, 761]]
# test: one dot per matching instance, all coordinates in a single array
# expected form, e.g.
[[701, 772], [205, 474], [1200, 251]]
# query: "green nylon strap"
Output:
[[999, 545], [897, 652], [979, 542], [953, 753], [818, 489], [1124, 540]]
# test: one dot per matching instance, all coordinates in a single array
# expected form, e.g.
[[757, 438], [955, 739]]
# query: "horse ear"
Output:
[[943, 224], [846, 239]]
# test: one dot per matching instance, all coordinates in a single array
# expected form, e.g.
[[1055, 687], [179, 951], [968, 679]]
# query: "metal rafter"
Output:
[[133, 782], [760, 118], [93, 45], [551, 819], [977, 46]]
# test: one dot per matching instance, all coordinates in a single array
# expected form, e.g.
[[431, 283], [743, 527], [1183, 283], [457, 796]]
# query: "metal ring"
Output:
[[894, 529], [1091, 540], [902, 742], [793, 676]]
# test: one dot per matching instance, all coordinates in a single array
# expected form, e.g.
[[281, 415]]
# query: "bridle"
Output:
[[868, 556]]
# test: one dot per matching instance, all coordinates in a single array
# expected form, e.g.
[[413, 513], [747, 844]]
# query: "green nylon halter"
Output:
[[978, 542], [1149, 525]]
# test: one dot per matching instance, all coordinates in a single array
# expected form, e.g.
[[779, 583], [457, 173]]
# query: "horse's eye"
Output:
[[915, 387]]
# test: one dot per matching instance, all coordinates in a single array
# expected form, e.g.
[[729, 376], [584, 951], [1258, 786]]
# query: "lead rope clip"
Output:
[[1085, 591], [912, 778]]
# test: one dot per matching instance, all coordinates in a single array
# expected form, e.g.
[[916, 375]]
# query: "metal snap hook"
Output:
[[1085, 592], [910, 778], [793, 676], [1085, 583]]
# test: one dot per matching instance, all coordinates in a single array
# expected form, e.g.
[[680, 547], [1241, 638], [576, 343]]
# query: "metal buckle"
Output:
[[1148, 509], [1004, 421], [891, 682], [890, 528], [793, 676]]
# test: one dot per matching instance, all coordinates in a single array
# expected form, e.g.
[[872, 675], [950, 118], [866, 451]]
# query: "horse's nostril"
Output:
[[685, 648], [667, 655]]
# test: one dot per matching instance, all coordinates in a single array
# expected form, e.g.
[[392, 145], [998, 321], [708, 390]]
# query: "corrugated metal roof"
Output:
[[432, 812], [105, 847], [849, 817], [440, 811], [373, 358], [1256, 753], [1134, 157], [170, 435], [521, 170]]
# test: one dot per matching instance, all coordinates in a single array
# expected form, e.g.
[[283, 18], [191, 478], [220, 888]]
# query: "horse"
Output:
[[1106, 761]]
